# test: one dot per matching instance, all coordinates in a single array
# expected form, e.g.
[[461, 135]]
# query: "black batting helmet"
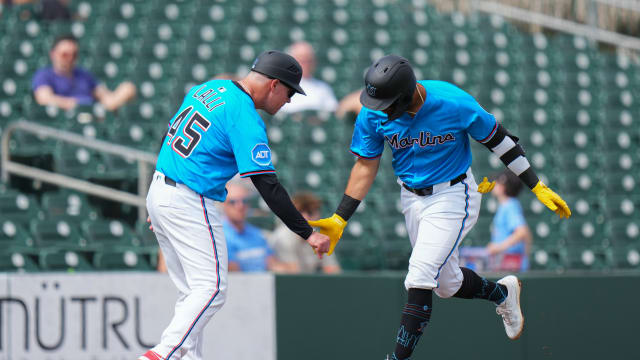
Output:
[[281, 66], [389, 81]]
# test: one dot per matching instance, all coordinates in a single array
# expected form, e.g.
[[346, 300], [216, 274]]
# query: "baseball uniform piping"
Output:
[[215, 252], [493, 131], [466, 212], [257, 172], [365, 157]]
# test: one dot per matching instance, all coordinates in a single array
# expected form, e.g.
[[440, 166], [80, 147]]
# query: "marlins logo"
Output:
[[371, 90]]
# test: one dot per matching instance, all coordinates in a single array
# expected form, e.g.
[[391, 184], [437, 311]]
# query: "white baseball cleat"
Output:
[[510, 307]]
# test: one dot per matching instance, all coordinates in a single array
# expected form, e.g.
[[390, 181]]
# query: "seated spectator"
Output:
[[292, 251], [320, 96], [64, 85], [349, 104], [510, 236], [246, 246]]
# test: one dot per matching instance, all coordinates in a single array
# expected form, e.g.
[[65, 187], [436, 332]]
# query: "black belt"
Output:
[[169, 181], [429, 189]]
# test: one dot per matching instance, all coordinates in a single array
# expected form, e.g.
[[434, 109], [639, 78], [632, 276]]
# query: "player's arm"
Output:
[[506, 147], [278, 200], [363, 174]]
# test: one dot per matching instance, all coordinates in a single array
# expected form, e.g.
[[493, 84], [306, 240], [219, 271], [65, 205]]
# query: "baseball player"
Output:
[[427, 125], [216, 134]]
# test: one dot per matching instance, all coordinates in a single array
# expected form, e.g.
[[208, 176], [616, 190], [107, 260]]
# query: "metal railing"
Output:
[[143, 159], [614, 22], [559, 24]]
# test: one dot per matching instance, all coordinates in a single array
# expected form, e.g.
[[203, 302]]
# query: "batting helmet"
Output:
[[389, 81], [281, 66]]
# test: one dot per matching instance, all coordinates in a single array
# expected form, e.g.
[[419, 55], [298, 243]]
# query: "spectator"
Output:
[[349, 104], [319, 97], [292, 251], [510, 236], [64, 85], [246, 246]]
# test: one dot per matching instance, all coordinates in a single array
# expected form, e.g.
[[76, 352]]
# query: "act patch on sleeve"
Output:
[[261, 154]]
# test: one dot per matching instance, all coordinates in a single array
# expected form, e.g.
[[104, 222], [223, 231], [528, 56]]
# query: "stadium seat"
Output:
[[110, 259]]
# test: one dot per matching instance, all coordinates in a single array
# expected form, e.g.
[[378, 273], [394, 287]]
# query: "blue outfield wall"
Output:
[[356, 316]]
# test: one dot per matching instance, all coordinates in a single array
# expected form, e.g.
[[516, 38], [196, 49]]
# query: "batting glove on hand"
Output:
[[332, 227], [551, 200], [485, 186]]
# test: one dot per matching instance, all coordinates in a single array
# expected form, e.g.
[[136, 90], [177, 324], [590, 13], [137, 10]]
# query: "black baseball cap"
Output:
[[281, 66]]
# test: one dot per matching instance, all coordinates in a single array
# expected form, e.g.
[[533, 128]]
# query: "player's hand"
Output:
[[485, 186], [332, 227], [551, 200], [150, 224], [319, 242]]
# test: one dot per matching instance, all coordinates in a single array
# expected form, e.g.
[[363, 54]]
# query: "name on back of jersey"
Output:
[[208, 97], [424, 139]]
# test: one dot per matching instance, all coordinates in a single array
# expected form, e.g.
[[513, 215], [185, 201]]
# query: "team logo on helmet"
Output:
[[371, 90]]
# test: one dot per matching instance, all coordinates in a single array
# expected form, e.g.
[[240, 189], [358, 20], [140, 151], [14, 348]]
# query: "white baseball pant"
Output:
[[188, 227], [436, 225]]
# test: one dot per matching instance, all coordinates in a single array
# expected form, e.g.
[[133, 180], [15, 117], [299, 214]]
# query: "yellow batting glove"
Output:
[[332, 227], [551, 200], [485, 186]]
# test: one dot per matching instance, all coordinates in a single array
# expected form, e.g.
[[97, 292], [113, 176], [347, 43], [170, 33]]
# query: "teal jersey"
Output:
[[433, 146], [215, 134]]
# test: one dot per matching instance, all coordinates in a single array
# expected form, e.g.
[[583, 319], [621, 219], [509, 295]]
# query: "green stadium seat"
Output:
[[625, 257], [359, 255], [119, 260], [19, 208], [63, 260], [57, 234], [584, 257], [14, 237], [77, 161], [107, 234], [67, 205], [547, 257], [11, 261], [623, 232], [396, 255]]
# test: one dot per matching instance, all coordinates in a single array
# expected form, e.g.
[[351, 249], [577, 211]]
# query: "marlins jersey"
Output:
[[433, 146], [215, 134]]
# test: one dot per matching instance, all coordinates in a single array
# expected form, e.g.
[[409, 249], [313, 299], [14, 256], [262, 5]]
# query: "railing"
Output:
[[607, 21], [143, 159]]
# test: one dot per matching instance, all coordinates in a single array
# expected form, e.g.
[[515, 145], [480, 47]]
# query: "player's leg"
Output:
[[435, 225], [465, 283], [193, 226]]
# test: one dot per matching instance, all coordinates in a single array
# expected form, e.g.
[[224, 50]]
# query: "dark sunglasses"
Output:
[[291, 91], [237, 201]]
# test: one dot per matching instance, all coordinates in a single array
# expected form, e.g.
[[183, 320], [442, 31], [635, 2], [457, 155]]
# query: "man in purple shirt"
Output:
[[64, 85]]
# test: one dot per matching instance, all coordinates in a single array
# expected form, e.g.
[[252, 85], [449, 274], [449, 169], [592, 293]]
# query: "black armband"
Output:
[[347, 207], [280, 203]]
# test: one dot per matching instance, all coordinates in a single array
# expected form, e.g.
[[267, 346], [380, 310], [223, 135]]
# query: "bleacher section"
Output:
[[575, 108]]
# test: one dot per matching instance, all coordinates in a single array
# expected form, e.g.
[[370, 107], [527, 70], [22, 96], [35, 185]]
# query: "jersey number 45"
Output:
[[177, 143]]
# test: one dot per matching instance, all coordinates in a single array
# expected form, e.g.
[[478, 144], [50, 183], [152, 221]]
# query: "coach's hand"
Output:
[[332, 227], [319, 242], [551, 200], [485, 186]]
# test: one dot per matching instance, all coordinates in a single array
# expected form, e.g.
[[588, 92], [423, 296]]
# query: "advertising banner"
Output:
[[118, 316]]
